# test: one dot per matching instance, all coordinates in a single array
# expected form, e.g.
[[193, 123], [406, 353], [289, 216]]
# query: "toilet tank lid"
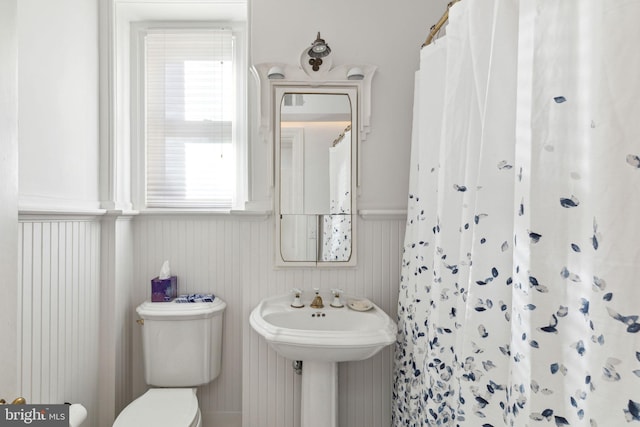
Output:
[[180, 311]]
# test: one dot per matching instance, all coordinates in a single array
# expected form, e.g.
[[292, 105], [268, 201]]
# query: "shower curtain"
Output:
[[336, 227], [519, 299]]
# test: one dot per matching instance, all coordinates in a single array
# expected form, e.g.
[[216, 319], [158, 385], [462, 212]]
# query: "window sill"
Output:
[[239, 213]]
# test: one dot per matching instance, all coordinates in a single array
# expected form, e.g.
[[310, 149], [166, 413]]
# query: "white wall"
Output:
[[58, 103], [8, 199], [116, 315], [231, 256], [58, 284], [58, 63], [380, 32]]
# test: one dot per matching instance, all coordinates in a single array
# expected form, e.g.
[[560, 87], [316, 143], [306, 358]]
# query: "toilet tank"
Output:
[[181, 342]]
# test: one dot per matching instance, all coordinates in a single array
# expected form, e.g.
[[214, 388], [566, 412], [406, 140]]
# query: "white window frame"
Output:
[[138, 128]]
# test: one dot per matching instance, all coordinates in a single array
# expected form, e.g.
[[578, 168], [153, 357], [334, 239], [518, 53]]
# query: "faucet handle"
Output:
[[296, 298], [16, 401], [336, 298]]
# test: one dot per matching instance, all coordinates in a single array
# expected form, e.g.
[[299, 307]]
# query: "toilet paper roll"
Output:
[[77, 415]]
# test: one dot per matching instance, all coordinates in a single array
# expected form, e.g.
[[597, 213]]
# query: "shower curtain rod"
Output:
[[341, 136], [435, 29]]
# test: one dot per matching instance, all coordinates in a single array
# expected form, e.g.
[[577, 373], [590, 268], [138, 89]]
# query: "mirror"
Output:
[[315, 121], [315, 166]]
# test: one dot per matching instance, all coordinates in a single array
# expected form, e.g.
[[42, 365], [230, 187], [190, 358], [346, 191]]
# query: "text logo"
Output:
[[34, 415]]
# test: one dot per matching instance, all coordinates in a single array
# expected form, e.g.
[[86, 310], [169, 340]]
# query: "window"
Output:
[[190, 107]]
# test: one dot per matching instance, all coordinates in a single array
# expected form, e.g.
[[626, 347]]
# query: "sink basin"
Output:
[[321, 338], [324, 335]]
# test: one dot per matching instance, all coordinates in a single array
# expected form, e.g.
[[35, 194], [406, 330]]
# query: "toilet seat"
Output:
[[162, 407]]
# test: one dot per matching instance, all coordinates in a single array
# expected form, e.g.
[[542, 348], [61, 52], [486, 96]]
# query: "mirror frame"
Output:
[[279, 92], [300, 79]]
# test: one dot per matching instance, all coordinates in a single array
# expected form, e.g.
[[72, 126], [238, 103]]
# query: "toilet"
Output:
[[182, 349]]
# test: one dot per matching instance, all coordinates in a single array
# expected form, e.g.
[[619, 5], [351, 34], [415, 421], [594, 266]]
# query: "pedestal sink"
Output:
[[320, 338]]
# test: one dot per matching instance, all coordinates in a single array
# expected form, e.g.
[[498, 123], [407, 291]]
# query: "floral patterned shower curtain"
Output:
[[336, 227], [519, 299]]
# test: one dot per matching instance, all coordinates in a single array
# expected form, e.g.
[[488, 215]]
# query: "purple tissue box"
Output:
[[163, 290]]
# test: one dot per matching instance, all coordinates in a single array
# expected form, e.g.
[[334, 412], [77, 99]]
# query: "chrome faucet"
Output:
[[317, 300]]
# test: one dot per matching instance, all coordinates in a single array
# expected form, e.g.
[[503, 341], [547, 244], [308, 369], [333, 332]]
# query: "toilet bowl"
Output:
[[162, 407], [182, 349]]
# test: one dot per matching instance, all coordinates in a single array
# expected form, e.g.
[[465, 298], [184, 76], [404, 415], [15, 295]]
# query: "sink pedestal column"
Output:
[[319, 394]]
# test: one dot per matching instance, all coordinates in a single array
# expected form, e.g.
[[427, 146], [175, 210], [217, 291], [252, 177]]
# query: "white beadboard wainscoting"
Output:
[[205, 253], [232, 256], [58, 325]]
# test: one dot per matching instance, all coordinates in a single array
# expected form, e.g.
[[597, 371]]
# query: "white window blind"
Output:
[[189, 118]]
